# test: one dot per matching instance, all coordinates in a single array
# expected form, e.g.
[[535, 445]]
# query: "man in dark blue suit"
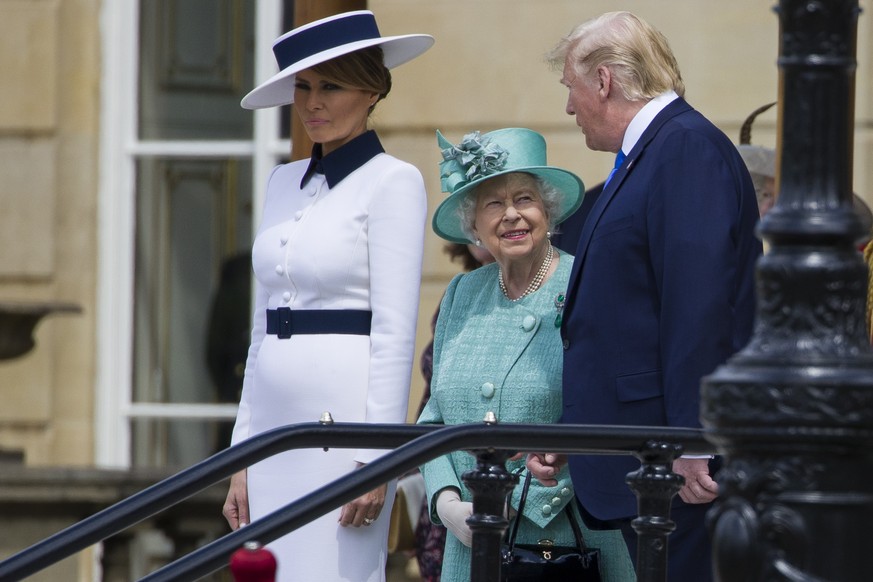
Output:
[[662, 288]]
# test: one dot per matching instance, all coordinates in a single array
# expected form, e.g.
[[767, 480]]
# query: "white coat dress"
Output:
[[356, 245]]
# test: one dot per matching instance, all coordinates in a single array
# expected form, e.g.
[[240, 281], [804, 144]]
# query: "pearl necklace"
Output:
[[537, 280]]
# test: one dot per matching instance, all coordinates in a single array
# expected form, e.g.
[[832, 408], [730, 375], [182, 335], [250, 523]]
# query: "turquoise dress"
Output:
[[496, 355]]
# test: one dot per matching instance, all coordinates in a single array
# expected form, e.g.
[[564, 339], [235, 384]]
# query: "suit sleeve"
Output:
[[693, 227], [539, 496]]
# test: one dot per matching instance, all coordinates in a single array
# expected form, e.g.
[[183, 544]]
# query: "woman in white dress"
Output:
[[337, 263]]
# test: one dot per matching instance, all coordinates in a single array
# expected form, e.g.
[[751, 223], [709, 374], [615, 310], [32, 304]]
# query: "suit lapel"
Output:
[[610, 190]]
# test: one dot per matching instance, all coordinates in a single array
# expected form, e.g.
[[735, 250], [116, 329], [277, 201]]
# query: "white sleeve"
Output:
[[241, 429], [259, 329], [396, 223]]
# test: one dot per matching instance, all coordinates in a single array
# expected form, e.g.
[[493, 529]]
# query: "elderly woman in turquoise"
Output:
[[497, 344]]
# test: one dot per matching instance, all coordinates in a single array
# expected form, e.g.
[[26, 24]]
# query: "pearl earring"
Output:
[[478, 243], [549, 234]]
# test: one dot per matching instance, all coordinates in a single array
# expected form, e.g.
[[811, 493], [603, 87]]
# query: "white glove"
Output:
[[454, 513]]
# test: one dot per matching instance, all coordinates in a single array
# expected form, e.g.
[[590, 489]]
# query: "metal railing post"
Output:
[[490, 483], [655, 484]]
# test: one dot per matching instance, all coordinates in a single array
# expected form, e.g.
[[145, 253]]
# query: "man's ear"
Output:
[[604, 78]]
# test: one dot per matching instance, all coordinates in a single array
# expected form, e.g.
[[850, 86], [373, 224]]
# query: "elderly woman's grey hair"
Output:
[[638, 55], [552, 202]]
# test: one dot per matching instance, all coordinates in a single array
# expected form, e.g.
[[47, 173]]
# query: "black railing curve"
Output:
[[413, 446]]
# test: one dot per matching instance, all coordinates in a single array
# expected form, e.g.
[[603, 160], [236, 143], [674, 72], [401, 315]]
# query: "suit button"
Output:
[[566, 344], [547, 510], [528, 322], [487, 389]]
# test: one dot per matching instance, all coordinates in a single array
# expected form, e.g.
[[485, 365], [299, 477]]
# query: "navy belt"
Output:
[[286, 322]]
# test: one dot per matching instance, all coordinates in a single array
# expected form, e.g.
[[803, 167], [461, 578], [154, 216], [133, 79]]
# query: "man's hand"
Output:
[[544, 466], [699, 486]]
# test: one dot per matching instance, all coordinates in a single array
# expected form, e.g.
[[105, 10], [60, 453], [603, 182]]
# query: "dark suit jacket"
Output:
[[566, 236], [661, 293]]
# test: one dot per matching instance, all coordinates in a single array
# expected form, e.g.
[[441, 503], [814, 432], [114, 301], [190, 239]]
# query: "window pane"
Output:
[[196, 64], [192, 280], [177, 443]]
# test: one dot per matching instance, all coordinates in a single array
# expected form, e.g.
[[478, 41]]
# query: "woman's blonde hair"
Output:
[[363, 69], [637, 54]]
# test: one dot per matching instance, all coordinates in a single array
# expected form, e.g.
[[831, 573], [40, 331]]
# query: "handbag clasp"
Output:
[[547, 552]]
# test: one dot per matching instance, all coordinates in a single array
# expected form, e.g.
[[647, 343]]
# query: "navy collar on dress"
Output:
[[344, 160]]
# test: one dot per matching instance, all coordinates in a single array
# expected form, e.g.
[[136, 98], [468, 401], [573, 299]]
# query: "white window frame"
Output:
[[119, 151]]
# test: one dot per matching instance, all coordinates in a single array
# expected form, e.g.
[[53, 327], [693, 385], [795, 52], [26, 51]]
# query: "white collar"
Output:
[[643, 118]]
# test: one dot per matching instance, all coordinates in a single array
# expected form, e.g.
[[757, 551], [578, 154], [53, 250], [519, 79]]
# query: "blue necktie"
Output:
[[619, 158]]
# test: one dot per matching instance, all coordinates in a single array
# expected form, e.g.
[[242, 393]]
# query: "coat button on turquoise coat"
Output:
[[528, 322], [547, 510], [565, 492], [556, 501], [487, 389]]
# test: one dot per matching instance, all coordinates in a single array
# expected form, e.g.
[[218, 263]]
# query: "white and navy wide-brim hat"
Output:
[[326, 39]]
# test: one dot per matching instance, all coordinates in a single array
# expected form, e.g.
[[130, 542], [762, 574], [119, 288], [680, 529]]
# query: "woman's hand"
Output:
[[365, 509], [236, 506], [454, 513]]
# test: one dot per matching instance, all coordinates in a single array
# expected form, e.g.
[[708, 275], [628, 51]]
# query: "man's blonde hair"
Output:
[[637, 55]]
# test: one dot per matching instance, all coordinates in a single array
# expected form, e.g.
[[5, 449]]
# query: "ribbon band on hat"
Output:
[[320, 38]]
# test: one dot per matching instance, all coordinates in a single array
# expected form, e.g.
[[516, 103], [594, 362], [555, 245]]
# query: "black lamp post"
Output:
[[793, 411]]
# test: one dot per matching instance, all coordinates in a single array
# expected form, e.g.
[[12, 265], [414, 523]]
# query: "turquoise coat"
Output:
[[496, 355]]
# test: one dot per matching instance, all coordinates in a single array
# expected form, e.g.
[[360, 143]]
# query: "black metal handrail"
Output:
[[414, 445]]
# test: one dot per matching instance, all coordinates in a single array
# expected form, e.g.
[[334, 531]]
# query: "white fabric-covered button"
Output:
[[487, 389], [286, 296], [283, 240], [298, 215], [528, 322], [280, 269]]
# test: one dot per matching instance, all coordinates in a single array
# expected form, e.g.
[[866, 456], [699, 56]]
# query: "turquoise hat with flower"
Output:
[[480, 157]]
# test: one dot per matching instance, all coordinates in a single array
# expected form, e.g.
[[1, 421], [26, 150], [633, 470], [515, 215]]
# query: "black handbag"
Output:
[[544, 560]]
